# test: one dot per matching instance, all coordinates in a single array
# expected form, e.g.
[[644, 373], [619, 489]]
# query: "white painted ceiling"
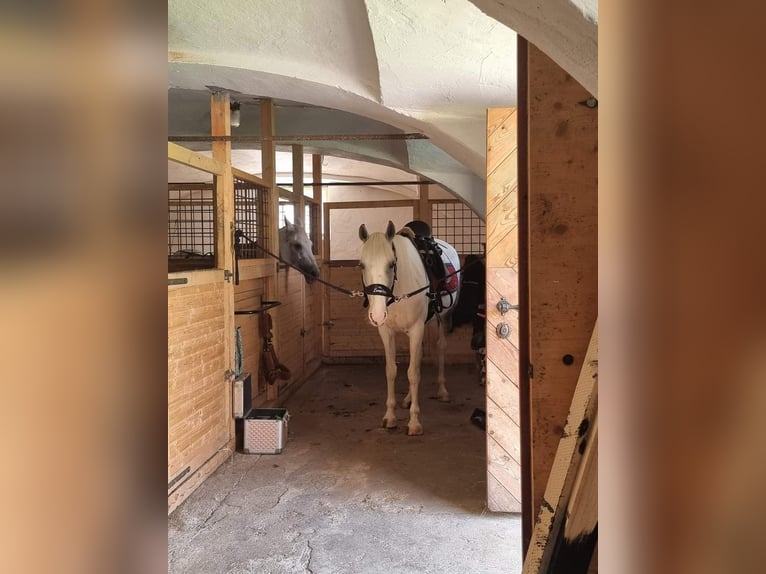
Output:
[[371, 66]]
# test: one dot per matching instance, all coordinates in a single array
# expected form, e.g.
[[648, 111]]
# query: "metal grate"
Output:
[[250, 202], [191, 226], [459, 226]]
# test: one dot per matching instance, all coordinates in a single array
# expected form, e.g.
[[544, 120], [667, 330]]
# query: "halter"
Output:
[[379, 288]]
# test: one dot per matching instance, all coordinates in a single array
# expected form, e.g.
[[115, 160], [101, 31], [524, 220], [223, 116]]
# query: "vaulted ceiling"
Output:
[[372, 66]]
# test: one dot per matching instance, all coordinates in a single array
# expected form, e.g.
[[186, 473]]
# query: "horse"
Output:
[[296, 248], [391, 267]]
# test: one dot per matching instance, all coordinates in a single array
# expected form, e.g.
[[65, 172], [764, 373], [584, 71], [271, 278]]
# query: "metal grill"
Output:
[[459, 226], [250, 215], [191, 226]]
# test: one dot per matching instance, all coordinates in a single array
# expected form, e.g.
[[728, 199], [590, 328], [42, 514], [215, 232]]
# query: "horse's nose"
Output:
[[378, 323]]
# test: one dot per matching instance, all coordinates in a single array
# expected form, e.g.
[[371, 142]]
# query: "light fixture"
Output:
[[234, 114]]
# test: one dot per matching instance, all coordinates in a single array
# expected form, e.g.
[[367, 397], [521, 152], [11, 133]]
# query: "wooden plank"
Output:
[[257, 268], [505, 470], [503, 143], [185, 156], [195, 278], [496, 117], [563, 249], [498, 497], [564, 468]]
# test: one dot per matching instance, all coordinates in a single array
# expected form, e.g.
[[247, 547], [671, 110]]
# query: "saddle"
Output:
[[431, 255], [271, 367]]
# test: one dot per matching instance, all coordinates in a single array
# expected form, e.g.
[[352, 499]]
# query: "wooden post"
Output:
[[220, 125], [562, 182], [269, 175], [424, 206], [316, 177], [300, 198]]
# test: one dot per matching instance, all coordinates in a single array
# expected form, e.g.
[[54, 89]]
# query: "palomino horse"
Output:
[[295, 247], [392, 267]]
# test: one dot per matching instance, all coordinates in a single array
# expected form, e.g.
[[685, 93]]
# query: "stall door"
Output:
[[503, 365], [199, 395]]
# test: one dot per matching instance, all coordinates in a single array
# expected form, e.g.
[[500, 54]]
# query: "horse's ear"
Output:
[[287, 223], [298, 221], [363, 235], [390, 230]]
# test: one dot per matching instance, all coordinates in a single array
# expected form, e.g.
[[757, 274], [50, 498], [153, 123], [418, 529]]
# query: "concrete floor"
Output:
[[347, 496]]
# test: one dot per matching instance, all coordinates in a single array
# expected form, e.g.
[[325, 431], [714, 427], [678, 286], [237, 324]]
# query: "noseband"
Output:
[[379, 288]]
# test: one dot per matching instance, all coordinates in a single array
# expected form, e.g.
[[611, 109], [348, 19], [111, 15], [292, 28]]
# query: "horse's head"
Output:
[[295, 247], [378, 264]]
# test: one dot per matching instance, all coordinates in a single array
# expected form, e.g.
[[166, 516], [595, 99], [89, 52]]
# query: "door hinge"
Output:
[[530, 371], [227, 275]]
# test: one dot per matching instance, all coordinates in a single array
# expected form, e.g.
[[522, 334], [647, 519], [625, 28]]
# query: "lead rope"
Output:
[[239, 234]]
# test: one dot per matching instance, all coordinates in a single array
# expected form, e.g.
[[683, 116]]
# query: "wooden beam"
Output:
[[555, 511], [185, 156], [238, 173], [299, 137]]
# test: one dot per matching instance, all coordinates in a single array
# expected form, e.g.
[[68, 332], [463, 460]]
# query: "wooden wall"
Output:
[[199, 407]]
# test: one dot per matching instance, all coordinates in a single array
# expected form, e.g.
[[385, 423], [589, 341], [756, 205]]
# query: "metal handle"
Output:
[[504, 306]]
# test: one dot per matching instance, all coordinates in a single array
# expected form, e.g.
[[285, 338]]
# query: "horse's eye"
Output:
[[391, 265], [297, 246], [361, 266]]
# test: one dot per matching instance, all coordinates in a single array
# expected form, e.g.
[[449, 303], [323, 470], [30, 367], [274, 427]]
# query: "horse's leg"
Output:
[[441, 351], [413, 374], [389, 344]]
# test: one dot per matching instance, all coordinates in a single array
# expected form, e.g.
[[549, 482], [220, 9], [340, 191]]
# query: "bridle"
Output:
[[380, 289]]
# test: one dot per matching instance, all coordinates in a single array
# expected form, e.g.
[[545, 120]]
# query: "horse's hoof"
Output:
[[389, 424], [443, 397], [415, 430]]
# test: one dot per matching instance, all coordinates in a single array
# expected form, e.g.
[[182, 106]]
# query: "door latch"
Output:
[[503, 330], [504, 306]]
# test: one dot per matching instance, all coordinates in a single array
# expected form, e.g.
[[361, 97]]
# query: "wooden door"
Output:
[[503, 363], [199, 397]]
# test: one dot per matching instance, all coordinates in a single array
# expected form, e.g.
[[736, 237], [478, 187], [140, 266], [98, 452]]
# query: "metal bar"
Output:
[[299, 138], [359, 183]]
